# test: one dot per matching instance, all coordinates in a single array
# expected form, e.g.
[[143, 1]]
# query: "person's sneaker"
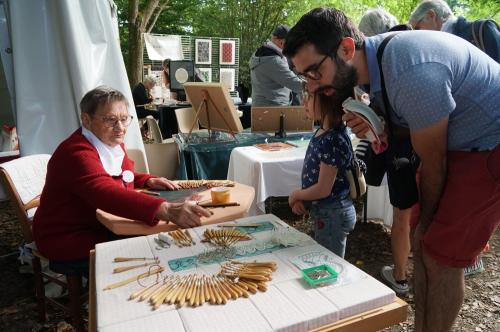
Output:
[[399, 286], [475, 268]]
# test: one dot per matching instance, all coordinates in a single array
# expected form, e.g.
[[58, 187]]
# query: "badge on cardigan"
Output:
[[127, 176]]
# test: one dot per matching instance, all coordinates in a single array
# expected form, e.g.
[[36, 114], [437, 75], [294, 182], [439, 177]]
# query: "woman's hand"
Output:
[[299, 208], [185, 215], [161, 183]]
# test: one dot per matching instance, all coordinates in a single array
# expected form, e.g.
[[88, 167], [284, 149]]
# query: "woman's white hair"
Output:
[[441, 8], [376, 21], [149, 79]]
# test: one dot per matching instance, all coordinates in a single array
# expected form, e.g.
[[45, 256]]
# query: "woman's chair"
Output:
[[139, 158], [24, 179], [163, 154]]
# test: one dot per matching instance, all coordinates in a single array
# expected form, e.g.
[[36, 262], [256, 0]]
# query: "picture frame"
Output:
[[227, 52], [226, 77], [206, 74], [203, 51]]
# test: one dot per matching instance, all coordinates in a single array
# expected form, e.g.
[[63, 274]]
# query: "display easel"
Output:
[[206, 99], [214, 108]]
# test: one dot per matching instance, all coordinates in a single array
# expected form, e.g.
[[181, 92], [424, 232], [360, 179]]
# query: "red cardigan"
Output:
[[65, 226]]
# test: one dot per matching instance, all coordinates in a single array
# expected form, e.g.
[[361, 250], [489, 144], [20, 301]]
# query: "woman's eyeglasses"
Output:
[[112, 122]]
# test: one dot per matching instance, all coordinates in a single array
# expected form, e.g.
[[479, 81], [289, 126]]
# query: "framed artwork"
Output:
[[226, 77], [206, 74], [227, 51], [203, 51]]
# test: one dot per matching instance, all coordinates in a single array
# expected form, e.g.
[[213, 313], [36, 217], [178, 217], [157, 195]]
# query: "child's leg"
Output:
[[332, 224], [343, 222]]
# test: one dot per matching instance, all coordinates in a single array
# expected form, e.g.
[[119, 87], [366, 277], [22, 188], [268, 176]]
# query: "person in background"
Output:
[[90, 170], [168, 94], [325, 187], [142, 96], [437, 15], [445, 92], [272, 79], [166, 73], [376, 21], [403, 190]]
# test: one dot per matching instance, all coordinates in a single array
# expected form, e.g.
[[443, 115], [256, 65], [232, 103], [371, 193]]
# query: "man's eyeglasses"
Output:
[[313, 72], [112, 122]]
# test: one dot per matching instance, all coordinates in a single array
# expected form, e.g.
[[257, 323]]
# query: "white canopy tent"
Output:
[[61, 50]]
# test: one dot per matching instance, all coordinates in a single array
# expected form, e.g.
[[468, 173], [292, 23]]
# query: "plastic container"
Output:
[[220, 195], [321, 275]]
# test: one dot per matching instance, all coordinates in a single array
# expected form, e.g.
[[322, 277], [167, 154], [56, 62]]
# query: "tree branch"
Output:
[[133, 10], [148, 11], [155, 18]]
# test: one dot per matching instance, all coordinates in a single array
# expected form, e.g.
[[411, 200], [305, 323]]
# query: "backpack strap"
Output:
[[387, 105], [479, 35]]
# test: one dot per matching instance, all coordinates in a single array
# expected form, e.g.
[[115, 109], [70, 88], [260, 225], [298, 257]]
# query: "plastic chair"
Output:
[[24, 179], [185, 118]]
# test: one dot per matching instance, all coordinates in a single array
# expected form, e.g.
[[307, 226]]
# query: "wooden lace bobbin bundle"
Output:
[[192, 184], [224, 237], [235, 280], [182, 238], [253, 272]]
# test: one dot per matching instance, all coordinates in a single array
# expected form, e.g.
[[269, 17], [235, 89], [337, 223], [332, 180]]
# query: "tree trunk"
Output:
[[135, 55]]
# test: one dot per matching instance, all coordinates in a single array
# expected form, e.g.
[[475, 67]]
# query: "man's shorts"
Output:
[[469, 209], [401, 164]]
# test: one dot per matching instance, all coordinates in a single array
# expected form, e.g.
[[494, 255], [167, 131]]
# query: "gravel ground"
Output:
[[368, 248]]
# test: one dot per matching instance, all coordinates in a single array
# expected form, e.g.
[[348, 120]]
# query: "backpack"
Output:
[[484, 34]]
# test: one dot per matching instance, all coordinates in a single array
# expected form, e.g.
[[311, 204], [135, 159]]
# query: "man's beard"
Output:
[[331, 96], [343, 83]]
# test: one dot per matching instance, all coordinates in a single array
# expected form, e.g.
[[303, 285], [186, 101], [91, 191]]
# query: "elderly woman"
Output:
[[142, 96], [376, 21], [90, 170]]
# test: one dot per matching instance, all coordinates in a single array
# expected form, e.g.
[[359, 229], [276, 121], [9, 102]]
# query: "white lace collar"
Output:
[[111, 157]]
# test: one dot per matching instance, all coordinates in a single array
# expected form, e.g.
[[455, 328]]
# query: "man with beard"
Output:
[[445, 91]]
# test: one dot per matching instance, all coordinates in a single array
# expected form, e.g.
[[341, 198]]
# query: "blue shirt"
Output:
[[333, 147], [429, 75]]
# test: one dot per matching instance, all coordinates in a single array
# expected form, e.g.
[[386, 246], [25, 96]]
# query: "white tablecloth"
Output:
[[277, 173], [271, 173], [288, 304]]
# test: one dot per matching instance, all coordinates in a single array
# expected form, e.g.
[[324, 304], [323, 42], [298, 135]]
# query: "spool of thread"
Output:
[[220, 195]]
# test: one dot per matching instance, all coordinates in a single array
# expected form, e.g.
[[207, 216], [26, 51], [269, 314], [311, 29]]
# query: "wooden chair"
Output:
[[24, 179]]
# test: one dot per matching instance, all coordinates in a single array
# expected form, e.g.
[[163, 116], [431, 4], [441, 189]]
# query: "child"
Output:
[[324, 180]]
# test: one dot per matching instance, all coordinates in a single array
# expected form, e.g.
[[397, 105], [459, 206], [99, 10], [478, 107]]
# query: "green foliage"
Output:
[[253, 20]]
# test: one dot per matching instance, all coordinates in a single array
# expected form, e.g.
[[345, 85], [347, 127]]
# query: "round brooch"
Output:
[[127, 176]]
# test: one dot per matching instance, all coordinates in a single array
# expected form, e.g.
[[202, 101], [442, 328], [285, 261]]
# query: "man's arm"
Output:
[[431, 146]]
